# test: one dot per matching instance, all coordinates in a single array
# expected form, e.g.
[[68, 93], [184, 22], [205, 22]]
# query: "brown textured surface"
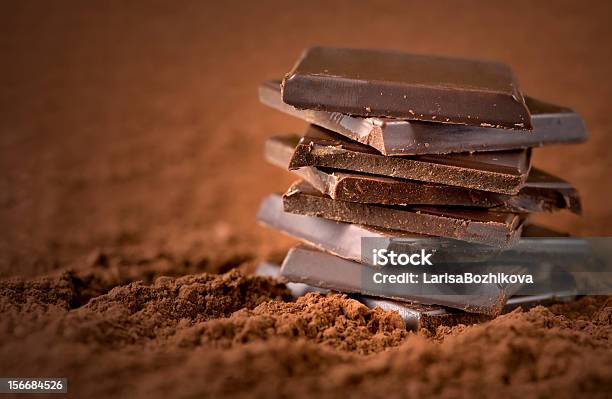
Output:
[[168, 338], [125, 133]]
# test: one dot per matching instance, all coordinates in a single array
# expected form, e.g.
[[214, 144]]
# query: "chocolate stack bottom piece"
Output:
[[430, 152], [419, 316], [332, 260]]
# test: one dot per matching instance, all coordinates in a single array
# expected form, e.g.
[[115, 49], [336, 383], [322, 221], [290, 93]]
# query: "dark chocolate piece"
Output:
[[551, 124], [501, 171], [430, 317], [341, 239], [407, 86], [344, 239], [541, 192], [484, 227], [529, 301], [310, 266], [424, 317], [268, 269], [537, 243], [418, 316]]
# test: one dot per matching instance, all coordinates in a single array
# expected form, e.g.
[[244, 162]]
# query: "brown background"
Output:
[[136, 124]]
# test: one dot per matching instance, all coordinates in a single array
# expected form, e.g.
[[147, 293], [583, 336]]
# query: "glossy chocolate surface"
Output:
[[501, 171], [477, 226], [541, 192], [552, 124], [388, 83]]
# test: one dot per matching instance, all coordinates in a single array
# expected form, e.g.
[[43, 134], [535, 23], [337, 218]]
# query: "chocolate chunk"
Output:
[[551, 124], [416, 316], [310, 266], [529, 301], [345, 239], [341, 239], [424, 317], [545, 192], [429, 317], [500, 171], [269, 269], [484, 227], [407, 86], [541, 192]]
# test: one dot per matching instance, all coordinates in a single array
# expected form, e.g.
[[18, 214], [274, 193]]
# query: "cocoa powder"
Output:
[[242, 336], [333, 320]]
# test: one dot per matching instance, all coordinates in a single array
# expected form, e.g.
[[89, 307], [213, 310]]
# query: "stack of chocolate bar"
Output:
[[411, 146]]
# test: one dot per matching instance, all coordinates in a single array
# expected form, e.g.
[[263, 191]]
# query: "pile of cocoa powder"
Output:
[[241, 335]]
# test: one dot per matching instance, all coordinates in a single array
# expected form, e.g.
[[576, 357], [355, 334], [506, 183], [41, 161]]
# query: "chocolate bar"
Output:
[[345, 239], [500, 171], [484, 227], [430, 317], [387, 83], [427, 317], [418, 316], [309, 266], [341, 239], [537, 243], [529, 301], [551, 124], [541, 192], [297, 290]]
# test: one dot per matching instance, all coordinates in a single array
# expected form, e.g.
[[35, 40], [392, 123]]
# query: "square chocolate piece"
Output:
[[387, 83]]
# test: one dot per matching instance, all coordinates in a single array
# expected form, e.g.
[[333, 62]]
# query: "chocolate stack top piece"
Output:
[[407, 86], [551, 124]]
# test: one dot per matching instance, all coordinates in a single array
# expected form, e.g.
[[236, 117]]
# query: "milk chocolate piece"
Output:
[[484, 227], [392, 84], [541, 192], [551, 124], [310, 266], [500, 171]]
